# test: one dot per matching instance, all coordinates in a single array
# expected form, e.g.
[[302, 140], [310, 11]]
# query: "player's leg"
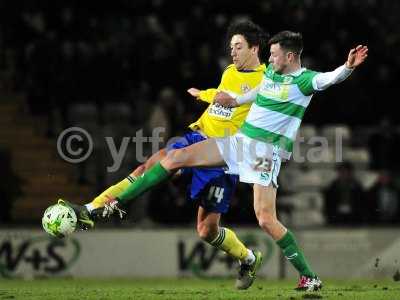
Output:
[[86, 212], [207, 224], [265, 210], [213, 188], [155, 158], [226, 240], [222, 238], [205, 153], [112, 191], [261, 165]]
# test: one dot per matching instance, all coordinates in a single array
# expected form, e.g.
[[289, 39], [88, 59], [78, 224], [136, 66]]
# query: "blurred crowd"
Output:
[[348, 203], [65, 51], [146, 53]]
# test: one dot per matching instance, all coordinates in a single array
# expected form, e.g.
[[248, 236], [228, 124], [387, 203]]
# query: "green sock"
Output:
[[150, 178], [293, 253]]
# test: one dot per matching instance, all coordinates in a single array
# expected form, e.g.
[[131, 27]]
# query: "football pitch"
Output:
[[80, 289]]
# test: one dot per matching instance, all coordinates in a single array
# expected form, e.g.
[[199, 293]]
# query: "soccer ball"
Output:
[[59, 220]]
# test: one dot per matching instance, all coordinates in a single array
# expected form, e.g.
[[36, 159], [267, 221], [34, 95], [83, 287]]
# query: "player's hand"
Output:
[[356, 56], [225, 99], [194, 92]]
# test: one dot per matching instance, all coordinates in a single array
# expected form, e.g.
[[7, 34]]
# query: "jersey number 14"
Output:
[[216, 192]]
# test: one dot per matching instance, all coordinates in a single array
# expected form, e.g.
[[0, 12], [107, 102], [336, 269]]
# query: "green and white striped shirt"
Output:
[[280, 104]]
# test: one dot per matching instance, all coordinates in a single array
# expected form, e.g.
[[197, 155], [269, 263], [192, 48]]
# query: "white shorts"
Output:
[[254, 161]]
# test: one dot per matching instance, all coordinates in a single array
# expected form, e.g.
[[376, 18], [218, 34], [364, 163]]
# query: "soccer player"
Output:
[[212, 187], [265, 138]]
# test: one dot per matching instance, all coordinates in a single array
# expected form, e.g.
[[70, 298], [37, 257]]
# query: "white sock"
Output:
[[249, 259], [89, 207]]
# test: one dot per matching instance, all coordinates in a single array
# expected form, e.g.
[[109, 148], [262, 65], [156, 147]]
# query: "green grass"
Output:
[[176, 289]]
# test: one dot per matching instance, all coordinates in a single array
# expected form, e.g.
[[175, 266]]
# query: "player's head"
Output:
[[247, 43], [285, 48]]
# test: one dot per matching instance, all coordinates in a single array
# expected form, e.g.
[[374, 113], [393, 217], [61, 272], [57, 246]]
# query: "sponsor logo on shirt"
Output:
[[244, 87], [271, 86], [275, 90], [220, 111]]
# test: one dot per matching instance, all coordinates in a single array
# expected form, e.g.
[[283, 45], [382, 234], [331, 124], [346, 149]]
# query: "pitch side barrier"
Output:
[[333, 253]]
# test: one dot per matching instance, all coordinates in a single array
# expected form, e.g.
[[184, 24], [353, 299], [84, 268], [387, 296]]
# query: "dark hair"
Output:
[[288, 40], [254, 35]]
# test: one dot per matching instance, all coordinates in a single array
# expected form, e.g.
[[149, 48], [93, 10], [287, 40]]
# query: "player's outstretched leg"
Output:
[[87, 213], [85, 221], [95, 208], [97, 204], [205, 153]]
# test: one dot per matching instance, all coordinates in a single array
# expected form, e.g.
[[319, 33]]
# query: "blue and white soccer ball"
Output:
[[59, 220]]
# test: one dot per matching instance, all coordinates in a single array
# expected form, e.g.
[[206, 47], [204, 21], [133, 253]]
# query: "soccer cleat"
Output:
[[247, 273], [85, 221], [309, 284]]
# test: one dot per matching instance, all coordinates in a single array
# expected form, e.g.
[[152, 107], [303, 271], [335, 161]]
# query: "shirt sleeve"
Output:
[[322, 81], [208, 95], [250, 96]]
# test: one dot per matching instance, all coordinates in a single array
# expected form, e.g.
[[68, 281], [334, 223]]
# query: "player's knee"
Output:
[[267, 221], [175, 159], [207, 232]]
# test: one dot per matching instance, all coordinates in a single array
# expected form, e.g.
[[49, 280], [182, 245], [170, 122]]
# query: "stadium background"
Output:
[[115, 69]]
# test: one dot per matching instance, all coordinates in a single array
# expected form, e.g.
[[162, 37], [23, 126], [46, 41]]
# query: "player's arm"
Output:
[[356, 57], [208, 95], [203, 95], [229, 100]]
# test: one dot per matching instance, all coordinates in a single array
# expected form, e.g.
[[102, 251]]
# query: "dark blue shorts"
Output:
[[211, 186]]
